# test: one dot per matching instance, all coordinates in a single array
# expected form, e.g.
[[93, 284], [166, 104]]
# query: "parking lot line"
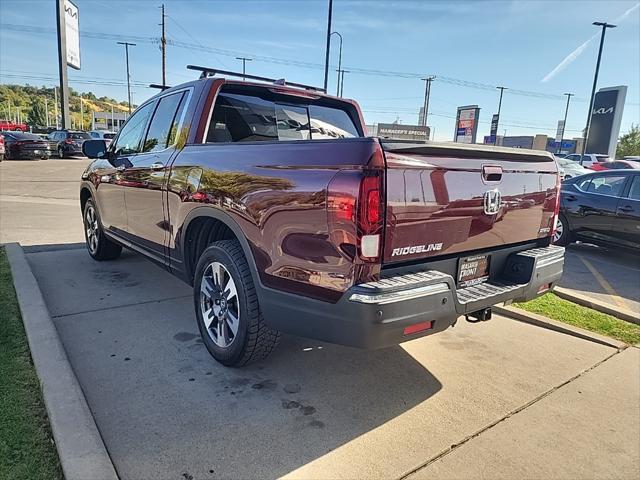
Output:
[[604, 284]]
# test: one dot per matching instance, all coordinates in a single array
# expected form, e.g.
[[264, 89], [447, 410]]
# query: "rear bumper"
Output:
[[375, 314], [30, 154]]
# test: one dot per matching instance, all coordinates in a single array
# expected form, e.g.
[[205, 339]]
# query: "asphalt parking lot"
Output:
[[500, 399]]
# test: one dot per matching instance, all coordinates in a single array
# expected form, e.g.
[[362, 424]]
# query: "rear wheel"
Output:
[[99, 246], [563, 235], [227, 309]]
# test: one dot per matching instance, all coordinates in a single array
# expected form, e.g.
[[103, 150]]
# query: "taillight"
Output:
[[354, 208], [68, 140], [556, 210]]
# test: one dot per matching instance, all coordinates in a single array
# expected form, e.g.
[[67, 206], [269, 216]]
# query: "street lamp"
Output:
[[604, 26], [244, 62], [326, 58], [502, 89], [339, 62], [427, 93], [564, 123]]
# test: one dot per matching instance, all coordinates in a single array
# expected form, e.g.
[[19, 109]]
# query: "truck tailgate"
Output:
[[443, 199]]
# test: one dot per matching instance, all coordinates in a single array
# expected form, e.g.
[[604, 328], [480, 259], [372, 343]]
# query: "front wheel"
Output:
[[562, 236], [99, 246], [227, 309]]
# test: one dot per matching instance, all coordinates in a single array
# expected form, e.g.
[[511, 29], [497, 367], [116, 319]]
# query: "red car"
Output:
[[12, 126], [615, 165], [1, 148]]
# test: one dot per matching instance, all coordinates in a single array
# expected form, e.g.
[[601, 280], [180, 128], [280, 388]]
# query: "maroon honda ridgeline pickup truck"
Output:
[[272, 201]]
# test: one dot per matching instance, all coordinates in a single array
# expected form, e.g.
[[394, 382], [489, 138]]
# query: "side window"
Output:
[[634, 191], [583, 184], [131, 133], [327, 122], [242, 118], [574, 157], [610, 185], [293, 122], [162, 123]]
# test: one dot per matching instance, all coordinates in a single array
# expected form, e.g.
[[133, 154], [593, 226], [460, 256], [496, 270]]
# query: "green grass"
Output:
[[556, 308], [26, 446]]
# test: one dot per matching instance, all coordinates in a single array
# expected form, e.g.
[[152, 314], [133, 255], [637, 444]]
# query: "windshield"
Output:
[[79, 136]]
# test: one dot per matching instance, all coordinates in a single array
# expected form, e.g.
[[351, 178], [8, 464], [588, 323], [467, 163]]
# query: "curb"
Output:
[[549, 324], [82, 453], [585, 301]]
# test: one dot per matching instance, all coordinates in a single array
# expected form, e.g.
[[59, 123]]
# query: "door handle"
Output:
[[157, 166], [626, 208]]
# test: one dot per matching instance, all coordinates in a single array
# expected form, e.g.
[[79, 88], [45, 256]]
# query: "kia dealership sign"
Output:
[[72, 33], [466, 124], [606, 117]]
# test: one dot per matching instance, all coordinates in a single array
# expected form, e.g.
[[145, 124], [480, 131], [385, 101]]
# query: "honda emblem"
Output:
[[492, 201]]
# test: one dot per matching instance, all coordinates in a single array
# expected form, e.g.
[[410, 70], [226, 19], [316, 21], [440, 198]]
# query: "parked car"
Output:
[[11, 126], [570, 169], [615, 165], [67, 143], [601, 208], [588, 159], [25, 146], [2, 148], [103, 134], [274, 204]]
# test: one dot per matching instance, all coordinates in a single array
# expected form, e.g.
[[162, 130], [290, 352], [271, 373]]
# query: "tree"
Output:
[[629, 143], [37, 116]]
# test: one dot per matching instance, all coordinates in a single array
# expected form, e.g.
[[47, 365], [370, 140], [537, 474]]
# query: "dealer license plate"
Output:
[[473, 270]]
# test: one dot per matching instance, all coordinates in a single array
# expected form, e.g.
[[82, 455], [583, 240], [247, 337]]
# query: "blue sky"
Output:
[[471, 46]]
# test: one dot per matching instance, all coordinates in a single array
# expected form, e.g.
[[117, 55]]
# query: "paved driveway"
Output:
[[166, 410]]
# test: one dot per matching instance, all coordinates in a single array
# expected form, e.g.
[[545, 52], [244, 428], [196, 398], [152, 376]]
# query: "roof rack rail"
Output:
[[159, 87], [206, 72]]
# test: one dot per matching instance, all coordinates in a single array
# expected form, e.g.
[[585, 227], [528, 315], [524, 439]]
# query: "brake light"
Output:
[[354, 208], [556, 210]]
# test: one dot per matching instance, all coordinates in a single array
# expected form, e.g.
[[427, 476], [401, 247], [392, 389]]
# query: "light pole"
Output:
[[604, 26], [427, 93], [502, 89], [342, 80], [326, 58], [564, 123], [126, 50], [339, 62], [244, 63]]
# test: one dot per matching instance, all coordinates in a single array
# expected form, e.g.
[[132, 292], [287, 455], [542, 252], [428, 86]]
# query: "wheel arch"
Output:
[[220, 225]]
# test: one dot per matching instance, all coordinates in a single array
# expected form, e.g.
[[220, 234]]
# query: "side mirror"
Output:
[[94, 148]]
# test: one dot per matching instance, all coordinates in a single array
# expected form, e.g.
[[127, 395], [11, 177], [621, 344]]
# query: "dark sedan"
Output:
[[601, 208], [67, 143], [25, 146]]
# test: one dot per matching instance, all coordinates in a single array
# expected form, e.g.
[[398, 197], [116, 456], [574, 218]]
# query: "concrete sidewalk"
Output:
[[165, 409]]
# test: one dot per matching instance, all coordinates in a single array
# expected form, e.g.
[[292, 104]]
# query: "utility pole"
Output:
[[244, 64], [163, 46], [326, 58], [81, 114], [502, 89], [339, 62], [113, 128], [55, 95], [427, 93], [46, 109], [564, 123], [126, 51], [62, 64], [604, 26]]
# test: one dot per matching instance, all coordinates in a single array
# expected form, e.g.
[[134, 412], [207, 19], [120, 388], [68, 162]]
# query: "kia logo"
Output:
[[492, 201], [602, 111]]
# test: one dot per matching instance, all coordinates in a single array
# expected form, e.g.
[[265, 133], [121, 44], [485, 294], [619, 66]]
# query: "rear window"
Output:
[[109, 135], [79, 136], [253, 118], [21, 136]]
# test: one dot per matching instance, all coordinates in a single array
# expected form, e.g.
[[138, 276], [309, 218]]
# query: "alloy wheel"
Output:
[[219, 304], [559, 230], [91, 228]]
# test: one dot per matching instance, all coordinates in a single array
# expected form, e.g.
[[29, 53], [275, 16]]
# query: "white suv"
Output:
[[588, 159]]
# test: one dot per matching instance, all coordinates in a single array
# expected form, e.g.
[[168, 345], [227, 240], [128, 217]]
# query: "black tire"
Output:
[[565, 237], [254, 340], [101, 248], [1, 157]]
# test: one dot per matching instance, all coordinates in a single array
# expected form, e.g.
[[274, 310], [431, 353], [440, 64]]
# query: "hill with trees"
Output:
[[32, 105]]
